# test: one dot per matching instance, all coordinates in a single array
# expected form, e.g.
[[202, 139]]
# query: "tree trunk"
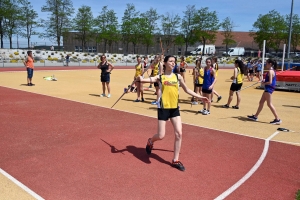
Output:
[[10, 42]]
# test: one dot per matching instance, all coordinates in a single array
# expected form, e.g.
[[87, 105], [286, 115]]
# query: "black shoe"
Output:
[[219, 98], [31, 84], [225, 106], [235, 107], [137, 100], [28, 84], [142, 100], [149, 146], [252, 117], [178, 165]]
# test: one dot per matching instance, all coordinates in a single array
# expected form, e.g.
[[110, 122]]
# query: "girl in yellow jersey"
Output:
[[157, 69], [168, 107], [198, 74], [216, 68], [139, 69], [237, 82]]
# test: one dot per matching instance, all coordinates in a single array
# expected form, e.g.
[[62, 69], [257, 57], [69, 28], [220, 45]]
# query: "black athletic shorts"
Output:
[[182, 70], [251, 71], [198, 85], [236, 87], [206, 91], [105, 77], [156, 84], [165, 114]]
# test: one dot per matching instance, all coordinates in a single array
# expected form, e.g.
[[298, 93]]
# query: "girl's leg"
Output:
[[230, 97], [108, 87], [141, 90], [209, 100], [270, 105], [161, 131], [238, 96], [177, 125], [103, 87], [138, 90], [261, 104]]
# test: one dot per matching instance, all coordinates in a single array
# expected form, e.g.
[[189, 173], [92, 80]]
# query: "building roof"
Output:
[[243, 39]]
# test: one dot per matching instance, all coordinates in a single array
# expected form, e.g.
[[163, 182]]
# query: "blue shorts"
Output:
[[29, 72], [105, 77]]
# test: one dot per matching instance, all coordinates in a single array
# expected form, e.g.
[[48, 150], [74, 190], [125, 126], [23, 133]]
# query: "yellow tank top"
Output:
[[239, 77], [138, 70], [201, 72], [169, 92], [156, 70], [216, 69]]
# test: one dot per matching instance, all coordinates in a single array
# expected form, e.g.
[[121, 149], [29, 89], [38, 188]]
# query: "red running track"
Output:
[[67, 150], [3, 69]]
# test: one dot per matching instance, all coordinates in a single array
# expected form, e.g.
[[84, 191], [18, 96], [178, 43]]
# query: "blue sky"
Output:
[[242, 12]]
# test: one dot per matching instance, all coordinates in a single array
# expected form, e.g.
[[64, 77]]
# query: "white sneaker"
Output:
[[206, 112], [108, 96], [194, 103], [102, 95], [201, 111]]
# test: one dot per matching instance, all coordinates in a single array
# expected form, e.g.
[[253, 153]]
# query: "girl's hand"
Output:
[[204, 99], [210, 87]]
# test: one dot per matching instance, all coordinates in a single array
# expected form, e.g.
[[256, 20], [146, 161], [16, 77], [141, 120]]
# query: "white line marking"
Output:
[[21, 185], [251, 172]]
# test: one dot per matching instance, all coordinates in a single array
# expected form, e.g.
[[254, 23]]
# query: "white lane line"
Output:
[[251, 172], [21, 185]]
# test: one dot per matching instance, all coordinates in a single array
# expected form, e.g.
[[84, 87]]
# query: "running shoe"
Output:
[[102, 95], [154, 102], [149, 146], [219, 98], [108, 96], [142, 100], [194, 103], [201, 111], [252, 117], [225, 106], [205, 112], [235, 107], [137, 100], [178, 165], [276, 121]]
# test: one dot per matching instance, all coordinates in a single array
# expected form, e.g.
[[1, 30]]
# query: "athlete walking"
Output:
[[168, 107]]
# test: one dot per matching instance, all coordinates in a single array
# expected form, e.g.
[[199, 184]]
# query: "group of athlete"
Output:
[[167, 77]]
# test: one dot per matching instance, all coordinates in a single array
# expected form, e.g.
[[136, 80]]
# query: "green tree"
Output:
[[127, 25], [29, 21], [295, 40], [187, 26], [4, 12], [12, 20], [170, 28], [206, 25], [59, 20], [270, 27], [227, 25], [106, 27], [83, 24], [152, 17]]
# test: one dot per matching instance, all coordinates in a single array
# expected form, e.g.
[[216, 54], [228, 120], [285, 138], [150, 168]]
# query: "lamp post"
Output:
[[290, 30]]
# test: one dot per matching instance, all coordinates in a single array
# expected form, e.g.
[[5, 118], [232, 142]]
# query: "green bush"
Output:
[[297, 195]]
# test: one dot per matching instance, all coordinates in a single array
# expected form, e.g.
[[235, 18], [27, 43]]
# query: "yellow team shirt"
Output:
[[169, 92], [155, 70], [201, 73], [239, 78], [138, 70], [216, 69]]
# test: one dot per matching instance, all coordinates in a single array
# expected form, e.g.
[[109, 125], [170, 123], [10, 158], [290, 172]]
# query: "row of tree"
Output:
[[196, 25]]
